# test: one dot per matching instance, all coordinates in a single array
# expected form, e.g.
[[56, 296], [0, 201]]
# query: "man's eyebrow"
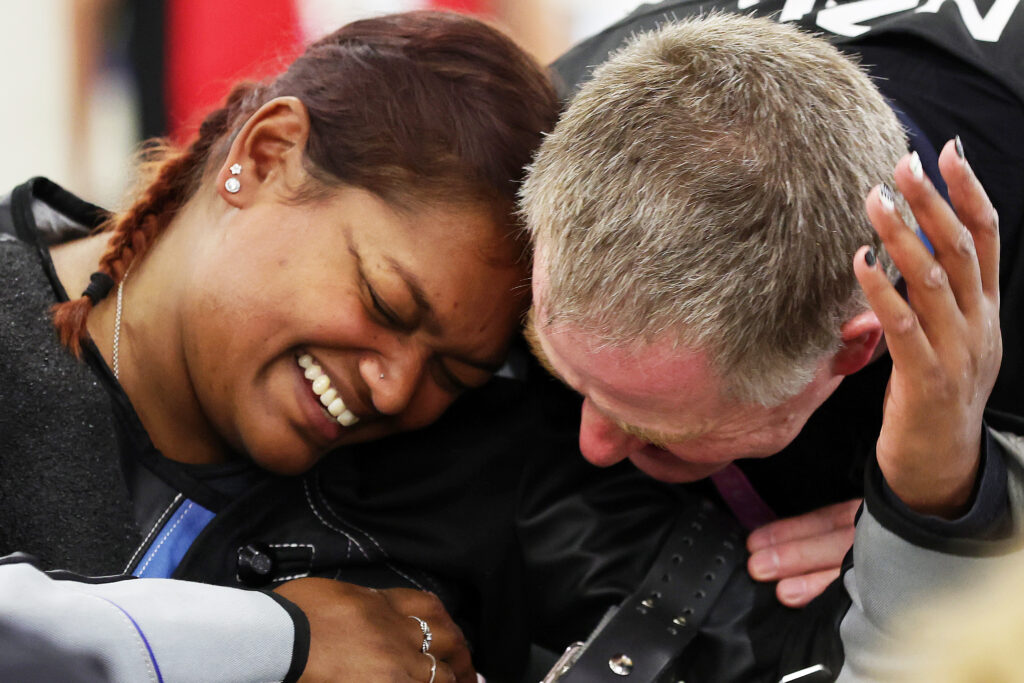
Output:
[[655, 437], [533, 341]]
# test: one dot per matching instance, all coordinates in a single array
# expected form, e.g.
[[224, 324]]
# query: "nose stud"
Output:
[[382, 375]]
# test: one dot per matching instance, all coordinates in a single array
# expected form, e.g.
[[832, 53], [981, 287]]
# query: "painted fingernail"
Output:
[[887, 197], [959, 146], [915, 166], [869, 257]]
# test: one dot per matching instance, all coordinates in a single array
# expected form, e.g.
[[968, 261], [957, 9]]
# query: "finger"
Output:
[[800, 590], [953, 244], [431, 668], [906, 341], [927, 283], [462, 665], [447, 640], [802, 556], [975, 212], [819, 521], [445, 674], [448, 643], [463, 671]]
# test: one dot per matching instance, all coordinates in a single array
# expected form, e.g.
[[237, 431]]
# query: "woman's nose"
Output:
[[602, 441], [394, 376]]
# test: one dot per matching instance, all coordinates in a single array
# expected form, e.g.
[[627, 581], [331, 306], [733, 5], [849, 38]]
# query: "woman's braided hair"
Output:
[[415, 107]]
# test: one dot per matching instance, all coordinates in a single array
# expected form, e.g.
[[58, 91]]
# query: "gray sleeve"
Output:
[[891, 575], [154, 629]]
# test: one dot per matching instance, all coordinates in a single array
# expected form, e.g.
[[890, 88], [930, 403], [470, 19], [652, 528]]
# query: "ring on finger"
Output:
[[433, 666], [428, 637]]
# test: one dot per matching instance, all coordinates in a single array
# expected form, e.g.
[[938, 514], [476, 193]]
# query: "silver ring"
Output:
[[427, 637], [433, 666]]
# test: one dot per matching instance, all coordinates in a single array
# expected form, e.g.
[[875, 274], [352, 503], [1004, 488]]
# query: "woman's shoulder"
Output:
[[28, 343], [41, 211]]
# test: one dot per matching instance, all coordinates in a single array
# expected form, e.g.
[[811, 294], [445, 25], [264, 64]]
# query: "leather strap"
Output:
[[742, 498], [653, 626]]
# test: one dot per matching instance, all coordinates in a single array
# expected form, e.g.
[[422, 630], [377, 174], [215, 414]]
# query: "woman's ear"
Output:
[[266, 156], [860, 335]]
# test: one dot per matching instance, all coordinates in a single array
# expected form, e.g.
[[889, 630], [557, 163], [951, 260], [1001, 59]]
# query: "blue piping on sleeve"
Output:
[[145, 641]]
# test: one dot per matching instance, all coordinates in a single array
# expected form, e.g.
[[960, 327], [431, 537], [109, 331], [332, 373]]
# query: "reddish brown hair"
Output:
[[421, 107]]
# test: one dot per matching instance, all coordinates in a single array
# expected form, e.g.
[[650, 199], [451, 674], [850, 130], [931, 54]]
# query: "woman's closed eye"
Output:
[[448, 380], [385, 313]]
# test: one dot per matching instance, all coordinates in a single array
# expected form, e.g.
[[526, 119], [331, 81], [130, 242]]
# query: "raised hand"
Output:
[[803, 553], [359, 634], [944, 341]]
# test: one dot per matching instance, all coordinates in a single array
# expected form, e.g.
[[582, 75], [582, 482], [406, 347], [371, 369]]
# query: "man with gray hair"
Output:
[[707, 277]]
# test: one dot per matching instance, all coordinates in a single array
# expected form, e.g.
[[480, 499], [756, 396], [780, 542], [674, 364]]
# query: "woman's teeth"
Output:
[[321, 385]]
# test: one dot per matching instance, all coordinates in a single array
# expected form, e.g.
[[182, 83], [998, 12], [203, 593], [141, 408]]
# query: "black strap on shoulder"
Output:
[[21, 213], [654, 625]]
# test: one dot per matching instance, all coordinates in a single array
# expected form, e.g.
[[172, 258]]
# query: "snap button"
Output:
[[255, 564], [621, 664]]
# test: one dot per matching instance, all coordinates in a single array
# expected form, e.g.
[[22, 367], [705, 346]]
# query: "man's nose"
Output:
[[602, 441]]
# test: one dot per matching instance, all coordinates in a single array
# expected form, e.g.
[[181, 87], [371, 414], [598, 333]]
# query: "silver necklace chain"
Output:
[[117, 323]]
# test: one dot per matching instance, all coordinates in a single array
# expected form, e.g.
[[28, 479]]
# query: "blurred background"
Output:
[[87, 80]]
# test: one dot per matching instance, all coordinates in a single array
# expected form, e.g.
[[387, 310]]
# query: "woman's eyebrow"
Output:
[[426, 312], [429, 318]]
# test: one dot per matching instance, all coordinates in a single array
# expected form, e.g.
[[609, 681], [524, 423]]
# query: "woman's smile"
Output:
[[330, 407], [321, 385]]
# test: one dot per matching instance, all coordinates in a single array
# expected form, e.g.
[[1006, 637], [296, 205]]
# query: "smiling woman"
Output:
[[333, 260], [304, 218]]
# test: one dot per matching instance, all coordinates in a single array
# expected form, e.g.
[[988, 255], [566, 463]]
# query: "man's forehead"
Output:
[[659, 375]]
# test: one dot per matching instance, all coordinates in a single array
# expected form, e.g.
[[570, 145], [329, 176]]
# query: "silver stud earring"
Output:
[[382, 375], [233, 184]]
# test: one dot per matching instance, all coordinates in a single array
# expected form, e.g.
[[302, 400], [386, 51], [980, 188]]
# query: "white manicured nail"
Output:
[[887, 197], [915, 166]]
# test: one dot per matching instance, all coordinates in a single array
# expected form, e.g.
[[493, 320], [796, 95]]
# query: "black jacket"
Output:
[[466, 508]]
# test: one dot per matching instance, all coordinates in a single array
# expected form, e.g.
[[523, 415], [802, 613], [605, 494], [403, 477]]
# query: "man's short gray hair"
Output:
[[708, 183]]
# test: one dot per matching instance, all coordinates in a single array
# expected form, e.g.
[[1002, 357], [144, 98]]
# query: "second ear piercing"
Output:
[[233, 184]]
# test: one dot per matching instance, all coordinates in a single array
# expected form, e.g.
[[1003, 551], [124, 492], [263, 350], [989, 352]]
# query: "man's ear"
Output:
[[268, 151], [861, 335]]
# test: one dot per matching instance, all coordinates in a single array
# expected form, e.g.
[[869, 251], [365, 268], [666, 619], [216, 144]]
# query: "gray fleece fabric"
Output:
[[62, 495]]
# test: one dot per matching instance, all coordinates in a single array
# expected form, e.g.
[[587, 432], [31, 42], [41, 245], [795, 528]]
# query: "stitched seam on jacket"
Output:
[[383, 552], [167, 535], [312, 506], [139, 638], [145, 542], [312, 559]]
